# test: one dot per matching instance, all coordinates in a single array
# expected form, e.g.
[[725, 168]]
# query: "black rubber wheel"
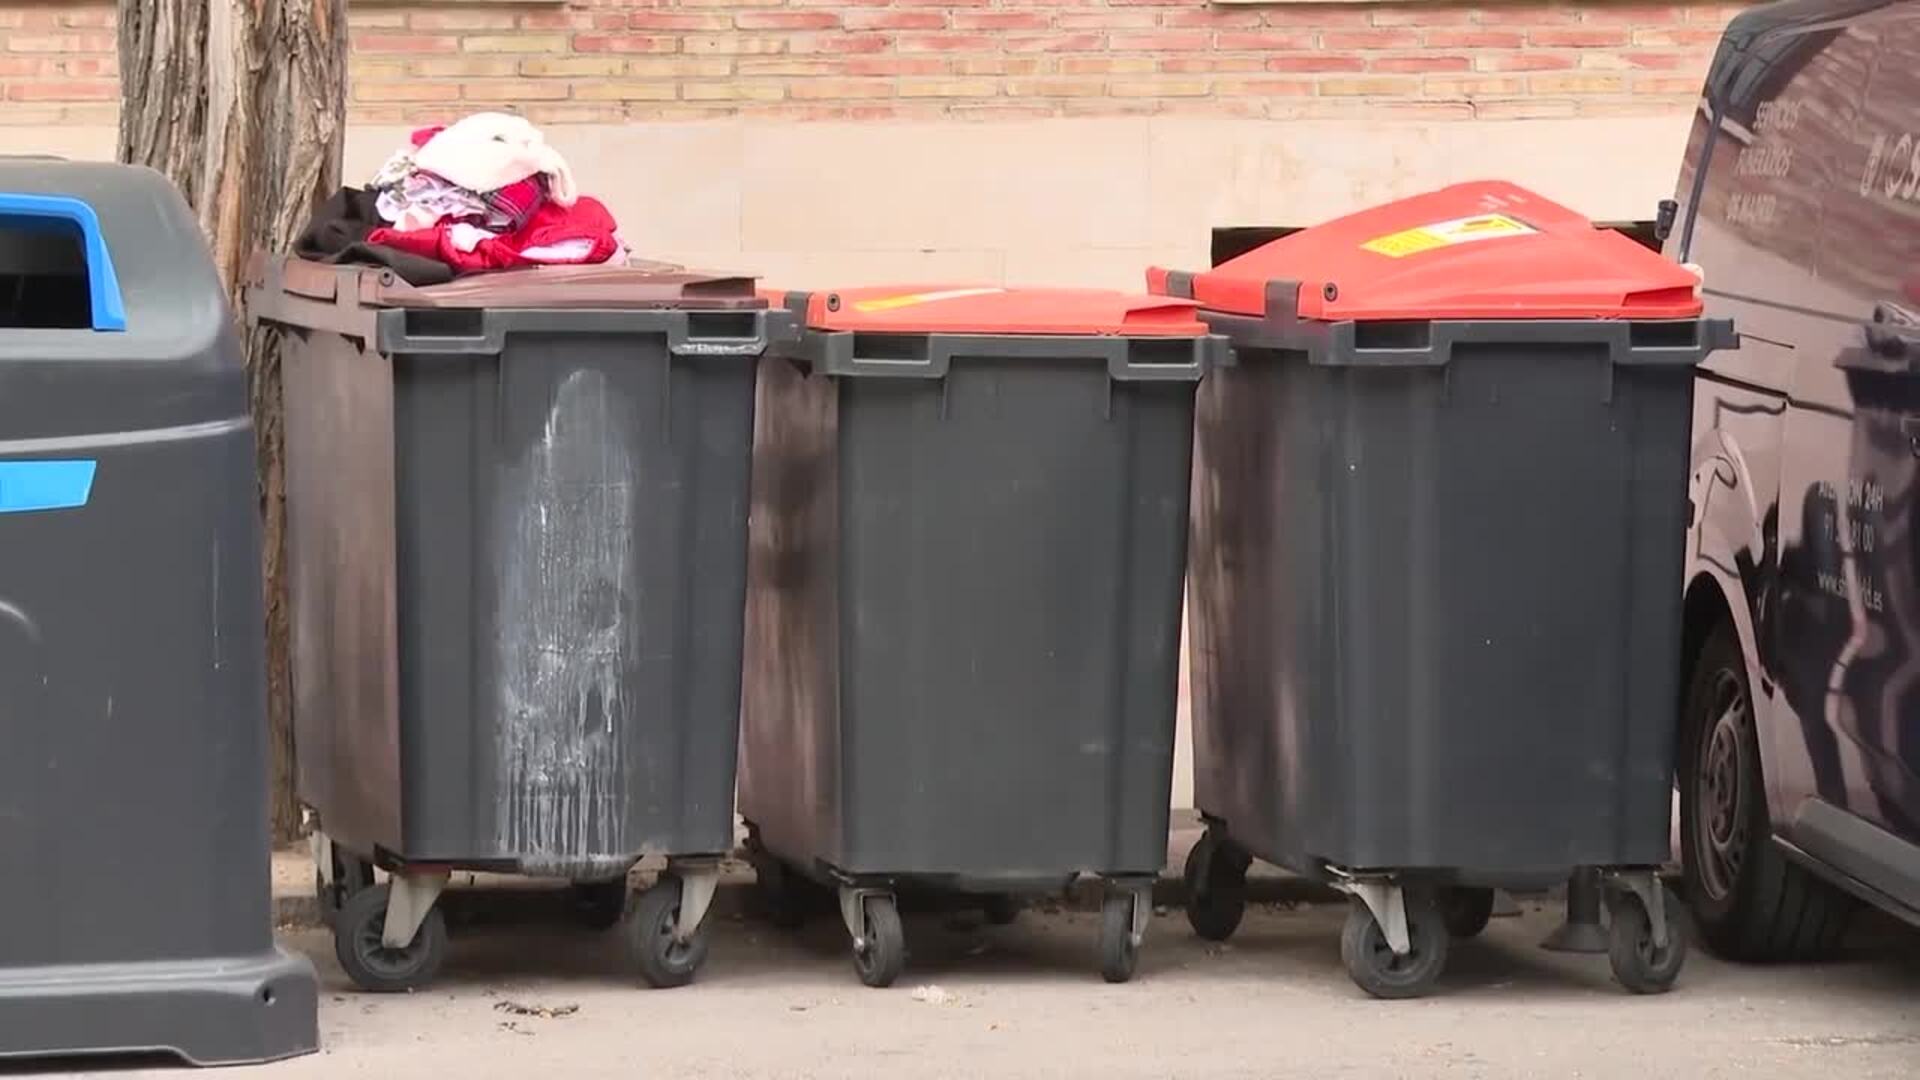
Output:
[[1000, 909], [1749, 901], [1216, 879], [598, 905], [1372, 963], [882, 954], [662, 961], [375, 967], [1638, 965], [1118, 954], [1466, 911]]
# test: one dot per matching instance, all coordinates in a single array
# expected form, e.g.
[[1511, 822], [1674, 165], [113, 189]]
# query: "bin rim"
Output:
[[1467, 251], [1683, 342], [302, 295], [897, 352], [636, 285], [996, 311]]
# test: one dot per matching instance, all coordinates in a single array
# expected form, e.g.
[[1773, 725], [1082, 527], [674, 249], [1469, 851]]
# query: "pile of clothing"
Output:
[[486, 193]]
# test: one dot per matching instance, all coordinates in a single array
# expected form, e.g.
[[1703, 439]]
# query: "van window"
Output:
[[1872, 246], [1782, 122]]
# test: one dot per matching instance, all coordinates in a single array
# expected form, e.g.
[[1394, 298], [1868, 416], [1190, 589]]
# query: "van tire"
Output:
[[1759, 906]]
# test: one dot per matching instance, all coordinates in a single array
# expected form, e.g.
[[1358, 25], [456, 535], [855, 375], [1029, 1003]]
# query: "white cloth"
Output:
[[488, 151], [423, 200]]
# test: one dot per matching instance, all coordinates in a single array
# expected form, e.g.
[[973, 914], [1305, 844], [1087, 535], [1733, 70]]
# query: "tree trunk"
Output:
[[242, 103]]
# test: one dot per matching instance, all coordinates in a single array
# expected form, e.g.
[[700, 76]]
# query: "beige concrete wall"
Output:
[[1064, 201], [1060, 201]]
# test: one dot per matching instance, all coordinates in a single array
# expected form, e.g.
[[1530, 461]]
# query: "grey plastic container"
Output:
[[1439, 511], [134, 880], [517, 512], [1436, 594], [964, 607]]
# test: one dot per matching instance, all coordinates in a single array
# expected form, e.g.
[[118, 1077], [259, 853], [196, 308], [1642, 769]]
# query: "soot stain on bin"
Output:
[[566, 544]]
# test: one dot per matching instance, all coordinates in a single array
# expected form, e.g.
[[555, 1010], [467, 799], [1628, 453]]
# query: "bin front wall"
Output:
[[568, 554], [131, 695], [1437, 610], [987, 690]]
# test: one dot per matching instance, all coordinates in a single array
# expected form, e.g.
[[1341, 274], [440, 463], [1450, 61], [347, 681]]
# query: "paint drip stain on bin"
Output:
[[566, 544]]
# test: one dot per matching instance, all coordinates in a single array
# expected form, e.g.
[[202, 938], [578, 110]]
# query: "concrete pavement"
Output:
[[1026, 1001]]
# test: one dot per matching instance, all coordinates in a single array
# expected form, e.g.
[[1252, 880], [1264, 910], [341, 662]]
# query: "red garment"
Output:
[[422, 136], [512, 206], [585, 225]]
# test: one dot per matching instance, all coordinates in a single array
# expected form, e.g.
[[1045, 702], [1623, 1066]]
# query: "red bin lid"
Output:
[[1483, 250], [982, 309]]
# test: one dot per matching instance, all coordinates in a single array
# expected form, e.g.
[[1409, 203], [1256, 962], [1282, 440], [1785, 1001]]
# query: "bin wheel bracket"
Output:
[[1388, 903], [853, 910], [323, 857], [699, 881], [1140, 897], [1645, 884], [409, 899]]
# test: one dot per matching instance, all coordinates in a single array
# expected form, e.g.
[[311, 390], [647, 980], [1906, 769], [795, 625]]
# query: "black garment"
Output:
[[337, 233]]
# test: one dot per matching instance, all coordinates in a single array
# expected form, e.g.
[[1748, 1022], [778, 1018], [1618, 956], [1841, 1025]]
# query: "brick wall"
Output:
[[614, 60]]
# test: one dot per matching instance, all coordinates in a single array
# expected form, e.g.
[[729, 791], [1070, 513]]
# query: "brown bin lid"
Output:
[[638, 284]]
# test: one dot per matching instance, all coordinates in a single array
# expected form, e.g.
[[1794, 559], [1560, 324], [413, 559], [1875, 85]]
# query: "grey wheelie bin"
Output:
[[969, 529], [517, 511], [1440, 504], [134, 886]]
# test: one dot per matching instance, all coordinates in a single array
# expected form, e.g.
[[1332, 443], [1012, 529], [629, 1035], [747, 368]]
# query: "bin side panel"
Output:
[[1660, 401], [572, 550], [1246, 527], [132, 692], [1477, 590], [447, 416], [690, 785], [790, 737], [340, 548], [1013, 545]]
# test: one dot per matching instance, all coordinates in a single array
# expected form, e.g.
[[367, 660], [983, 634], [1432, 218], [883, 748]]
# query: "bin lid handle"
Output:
[[103, 285]]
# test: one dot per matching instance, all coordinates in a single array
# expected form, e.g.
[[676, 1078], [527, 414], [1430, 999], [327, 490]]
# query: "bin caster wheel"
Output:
[[370, 963], [1374, 966], [1216, 879], [1000, 909], [663, 961], [1466, 911], [1641, 966], [598, 905], [881, 952], [1118, 951]]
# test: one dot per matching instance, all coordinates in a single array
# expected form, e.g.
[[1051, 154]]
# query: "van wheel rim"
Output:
[[1722, 789]]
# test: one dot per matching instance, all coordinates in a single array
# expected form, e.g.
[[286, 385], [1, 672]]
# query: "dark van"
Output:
[[1800, 731]]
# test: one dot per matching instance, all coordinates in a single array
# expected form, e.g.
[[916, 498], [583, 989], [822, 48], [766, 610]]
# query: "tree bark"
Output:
[[242, 103]]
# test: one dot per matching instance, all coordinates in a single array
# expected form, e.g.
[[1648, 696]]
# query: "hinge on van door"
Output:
[[1663, 220]]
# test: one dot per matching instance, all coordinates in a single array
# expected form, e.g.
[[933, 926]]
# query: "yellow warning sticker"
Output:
[[894, 303], [1446, 234]]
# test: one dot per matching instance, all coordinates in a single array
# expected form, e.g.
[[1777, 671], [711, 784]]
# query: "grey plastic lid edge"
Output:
[[1630, 342], [690, 333], [1128, 359], [268, 300]]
